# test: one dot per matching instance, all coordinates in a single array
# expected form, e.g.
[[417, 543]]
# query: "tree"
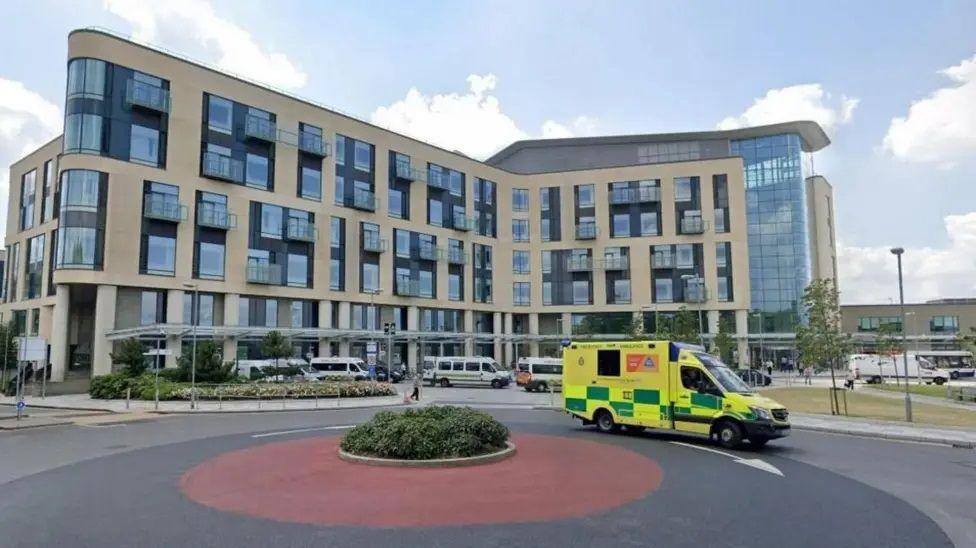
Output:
[[8, 344], [887, 344], [276, 346], [210, 367], [820, 340], [686, 327], [724, 342], [131, 354]]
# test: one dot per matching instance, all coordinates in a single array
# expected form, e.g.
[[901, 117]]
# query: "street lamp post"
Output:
[[897, 252], [195, 303], [701, 287]]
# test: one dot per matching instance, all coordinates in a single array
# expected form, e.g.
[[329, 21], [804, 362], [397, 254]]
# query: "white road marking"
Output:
[[299, 430], [758, 464]]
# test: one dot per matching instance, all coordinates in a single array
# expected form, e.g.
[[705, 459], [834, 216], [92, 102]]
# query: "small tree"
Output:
[[724, 342], [8, 344], [209, 368], [276, 346], [888, 344], [686, 327], [635, 329], [820, 340], [131, 355]]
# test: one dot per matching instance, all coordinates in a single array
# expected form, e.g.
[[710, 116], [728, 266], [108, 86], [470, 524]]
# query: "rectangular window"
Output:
[[435, 212], [340, 151], [402, 243], [297, 270], [27, 190], [160, 255], [340, 190], [220, 114], [720, 220], [520, 262], [371, 277], [545, 230], [546, 293], [682, 189], [723, 289], [685, 256], [335, 274], [396, 203], [272, 221], [454, 287], [311, 184], [47, 209], [621, 225], [608, 363], [335, 232], [520, 230], [456, 183], [426, 283], [721, 256], [546, 262], [520, 199], [648, 220], [581, 292], [663, 290], [210, 261], [364, 156], [271, 313], [621, 291], [544, 199], [144, 145], [256, 171], [35, 266], [584, 195], [520, 293], [150, 308]]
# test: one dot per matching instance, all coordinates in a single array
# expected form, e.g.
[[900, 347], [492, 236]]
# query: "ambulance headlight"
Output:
[[761, 413]]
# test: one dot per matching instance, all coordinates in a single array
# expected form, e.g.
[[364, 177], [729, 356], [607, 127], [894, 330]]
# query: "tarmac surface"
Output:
[[122, 485]]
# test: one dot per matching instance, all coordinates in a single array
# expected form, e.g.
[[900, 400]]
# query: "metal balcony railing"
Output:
[[312, 144], [301, 230], [264, 273], [164, 207], [146, 95], [405, 287], [406, 172], [259, 128], [363, 199], [659, 260], [456, 256], [586, 231], [462, 222], [218, 166], [439, 180], [616, 262], [579, 264], [694, 291], [373, 243], [213, 215], [428, 252], [635, 195], [692, 225]]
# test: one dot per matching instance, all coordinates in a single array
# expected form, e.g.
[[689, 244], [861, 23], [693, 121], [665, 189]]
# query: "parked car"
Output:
[[754, 377]]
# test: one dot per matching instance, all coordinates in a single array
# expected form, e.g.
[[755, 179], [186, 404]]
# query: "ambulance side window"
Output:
[[608, 363], [690, 377]]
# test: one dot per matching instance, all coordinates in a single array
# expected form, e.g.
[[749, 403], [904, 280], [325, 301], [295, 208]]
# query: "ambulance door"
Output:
[[696, 398]]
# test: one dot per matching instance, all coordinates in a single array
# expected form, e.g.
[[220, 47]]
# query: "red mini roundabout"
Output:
[[305, 481]]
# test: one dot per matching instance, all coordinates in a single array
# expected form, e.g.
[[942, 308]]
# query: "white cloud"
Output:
[[27, 121], [472, 122], [196, 22], [870, 274], [942, 127], [800, 102]]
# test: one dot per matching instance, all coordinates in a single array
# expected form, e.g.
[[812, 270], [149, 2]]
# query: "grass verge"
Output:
[[816, 400]]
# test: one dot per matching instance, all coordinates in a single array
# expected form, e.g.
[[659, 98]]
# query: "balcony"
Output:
[[660, 260], [405, 287], [218, 166], [579, 264], [405, 172], [364, 200], [439, 180], [264, 273], [301, 230], [428, 252], [617, 262], [635, 195], [456, 256], [462, 222], [163, 207], [694, 290], [312, 144], [211, 215], [147, 96], [372, 243], [586, 231], [692, 225], [259, 128]]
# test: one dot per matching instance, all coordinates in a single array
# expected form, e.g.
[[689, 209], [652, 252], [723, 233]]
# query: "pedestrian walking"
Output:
[[849, 383], [808, 375], [416, 388]]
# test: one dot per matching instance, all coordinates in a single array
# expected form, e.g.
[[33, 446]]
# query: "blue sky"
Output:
[[626, 67]]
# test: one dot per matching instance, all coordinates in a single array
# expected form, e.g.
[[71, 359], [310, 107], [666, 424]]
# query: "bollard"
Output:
[[259, 400], [316, 401], [283, 396], [551, 392], [338, 396], [220, 400], [128, 394]]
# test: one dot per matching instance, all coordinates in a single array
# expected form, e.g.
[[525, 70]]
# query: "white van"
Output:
[[872, 368], [352, 368], [252, 369], [472, 370], [539, 374]]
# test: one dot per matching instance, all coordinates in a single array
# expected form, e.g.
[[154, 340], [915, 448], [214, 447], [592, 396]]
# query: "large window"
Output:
[[272, 221], [28, 188], [202, 313], [621, 225], [944, 324], [77, 243], [685, 256], [402, 243], [581, 292], [648, 221], [47, 209], [621, 291], [256, 171], [76, 247], [86, 79], [663, 290], [435, 212], [371, 277], [35, 266], [395, 198], [152, 308], [682, 189], [585, 195], [144, 145], [83, 133], [426, 283], [340, 190], [520, 262], [520, 199], [335, 274], [311, 184], [364, 156], [520, 293], [297, 270], [520, 230], [160, 255], [220, 115], [210, 261], [454, 287]]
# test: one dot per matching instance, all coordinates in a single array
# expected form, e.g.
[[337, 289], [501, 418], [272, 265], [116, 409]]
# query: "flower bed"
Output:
[[143, 387], [442, 432]]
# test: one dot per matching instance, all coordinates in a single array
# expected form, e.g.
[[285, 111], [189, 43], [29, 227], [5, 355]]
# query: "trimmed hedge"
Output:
[[428, 433], [108, 387]]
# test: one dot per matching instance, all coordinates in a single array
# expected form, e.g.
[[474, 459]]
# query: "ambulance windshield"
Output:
[[729, 381]]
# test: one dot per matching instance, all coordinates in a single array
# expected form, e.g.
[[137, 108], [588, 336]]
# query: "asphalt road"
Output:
[[117, 486]]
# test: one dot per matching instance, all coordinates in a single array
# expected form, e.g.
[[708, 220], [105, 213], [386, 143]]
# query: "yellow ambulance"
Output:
[[666, 385]]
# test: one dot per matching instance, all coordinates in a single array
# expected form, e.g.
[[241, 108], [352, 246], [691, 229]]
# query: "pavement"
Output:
[[807, 490]]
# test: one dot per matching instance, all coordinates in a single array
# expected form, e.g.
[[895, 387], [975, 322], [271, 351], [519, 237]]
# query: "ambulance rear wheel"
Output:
[[445, 383], [604, 421], [542, 387], [729, 434]]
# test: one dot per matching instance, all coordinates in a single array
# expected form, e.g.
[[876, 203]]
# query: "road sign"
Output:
[[31, 349], [371, 359], [21, 404], [371, 348], [158, 352]]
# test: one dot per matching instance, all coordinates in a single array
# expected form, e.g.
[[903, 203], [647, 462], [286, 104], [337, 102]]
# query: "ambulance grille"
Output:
[[780, 414]]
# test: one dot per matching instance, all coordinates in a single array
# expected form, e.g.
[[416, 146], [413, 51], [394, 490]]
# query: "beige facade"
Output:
[[932, 325], [823, 243], [85, 310]]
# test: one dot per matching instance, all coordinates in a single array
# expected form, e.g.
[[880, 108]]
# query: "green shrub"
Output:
[[110, 387], [429, 433], [209, 366], [113, 386], [174, 374]]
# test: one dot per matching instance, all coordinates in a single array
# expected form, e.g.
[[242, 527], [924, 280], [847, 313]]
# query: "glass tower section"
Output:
[[779, 247]]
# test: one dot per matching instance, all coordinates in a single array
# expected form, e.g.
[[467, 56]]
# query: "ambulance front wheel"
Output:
[[729, 434], [604, 421]]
